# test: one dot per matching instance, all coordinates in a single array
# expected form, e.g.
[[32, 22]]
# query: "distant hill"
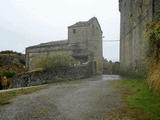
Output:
[[12, 61]]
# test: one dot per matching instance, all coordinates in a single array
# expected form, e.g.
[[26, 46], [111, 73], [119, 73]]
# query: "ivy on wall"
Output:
[[153, 37]]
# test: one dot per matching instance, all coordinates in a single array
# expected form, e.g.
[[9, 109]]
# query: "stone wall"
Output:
[[88, 35], [156, 9], [95, 45], [135, 14], [53, 75], [34, 53]]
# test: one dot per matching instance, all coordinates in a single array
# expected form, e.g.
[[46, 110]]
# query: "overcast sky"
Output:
[[29, 22]]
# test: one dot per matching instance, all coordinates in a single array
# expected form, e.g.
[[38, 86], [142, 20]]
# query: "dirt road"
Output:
[[88, 99]]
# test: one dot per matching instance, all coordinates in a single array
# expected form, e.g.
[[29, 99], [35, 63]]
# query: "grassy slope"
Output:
[[140, 102]]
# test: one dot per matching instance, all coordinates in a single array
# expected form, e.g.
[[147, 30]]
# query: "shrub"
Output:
[[55, 61], [7, 74], [10, 52], [5, 82]]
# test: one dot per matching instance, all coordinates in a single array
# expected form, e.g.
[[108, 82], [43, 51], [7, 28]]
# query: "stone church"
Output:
[[84, 44], [135, 14]]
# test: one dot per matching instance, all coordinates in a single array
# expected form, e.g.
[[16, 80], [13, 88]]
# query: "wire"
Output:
[[111, 40]]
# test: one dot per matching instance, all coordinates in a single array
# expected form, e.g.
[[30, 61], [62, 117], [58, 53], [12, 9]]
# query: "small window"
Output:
[[74, 31]]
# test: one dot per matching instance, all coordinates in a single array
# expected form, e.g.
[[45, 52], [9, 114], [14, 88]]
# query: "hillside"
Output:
[[12, 62]]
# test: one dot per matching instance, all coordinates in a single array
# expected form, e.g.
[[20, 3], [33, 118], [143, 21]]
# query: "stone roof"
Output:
[[55, 42], [80, 24], [50, 43], [83, 23]]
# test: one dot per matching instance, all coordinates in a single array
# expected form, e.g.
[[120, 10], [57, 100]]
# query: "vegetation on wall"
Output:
[[153, 36], [55, 61]]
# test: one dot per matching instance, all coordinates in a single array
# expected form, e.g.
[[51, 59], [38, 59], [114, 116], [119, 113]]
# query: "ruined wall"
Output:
[[135, 14]]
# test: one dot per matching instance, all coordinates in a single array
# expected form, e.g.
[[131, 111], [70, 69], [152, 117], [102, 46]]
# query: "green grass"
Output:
[[139, 97], [6, 97]]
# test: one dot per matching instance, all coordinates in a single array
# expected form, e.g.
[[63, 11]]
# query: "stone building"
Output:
[[135, 14], [84, 44]]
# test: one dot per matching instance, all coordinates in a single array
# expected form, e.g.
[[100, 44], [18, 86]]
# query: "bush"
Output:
[[10, 52], [5, 82], [7, 74], [55, 61]]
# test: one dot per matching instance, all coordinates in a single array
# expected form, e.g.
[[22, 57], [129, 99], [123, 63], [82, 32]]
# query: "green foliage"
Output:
[[10, 52], [5, 82], [153, 36], [140, 99], [55, 61], [7, 74]]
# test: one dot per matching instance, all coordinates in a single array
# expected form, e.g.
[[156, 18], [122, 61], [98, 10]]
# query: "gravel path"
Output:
[[88, 99]]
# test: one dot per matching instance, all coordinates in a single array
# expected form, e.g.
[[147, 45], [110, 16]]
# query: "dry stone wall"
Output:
[[53, 75]]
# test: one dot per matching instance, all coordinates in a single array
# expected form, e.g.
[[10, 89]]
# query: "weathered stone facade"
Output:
[[135, 14], [84, 44]]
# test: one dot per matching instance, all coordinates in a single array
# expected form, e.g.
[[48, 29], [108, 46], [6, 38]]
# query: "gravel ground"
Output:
[[88, 99]]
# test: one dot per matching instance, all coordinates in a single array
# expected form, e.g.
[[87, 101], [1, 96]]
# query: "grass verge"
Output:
[[6, 97], [140, 102]]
